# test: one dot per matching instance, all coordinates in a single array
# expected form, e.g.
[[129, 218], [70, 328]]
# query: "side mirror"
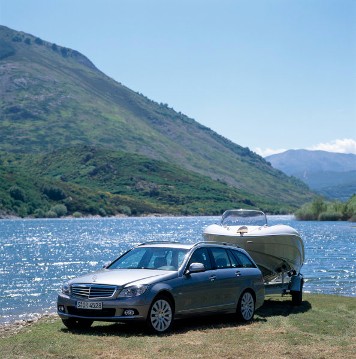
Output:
[[196, 268]]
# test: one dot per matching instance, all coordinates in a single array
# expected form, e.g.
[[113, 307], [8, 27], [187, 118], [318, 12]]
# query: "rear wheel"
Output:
[[160, 315], [74, 323], [246, 307]]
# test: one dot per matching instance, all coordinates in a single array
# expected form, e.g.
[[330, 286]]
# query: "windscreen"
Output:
[[241, 217], [162, 258]]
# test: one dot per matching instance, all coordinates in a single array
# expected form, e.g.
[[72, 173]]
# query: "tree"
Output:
[[17, 193]]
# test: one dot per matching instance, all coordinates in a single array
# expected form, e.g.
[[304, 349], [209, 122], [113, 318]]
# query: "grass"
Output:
[[322, 327]]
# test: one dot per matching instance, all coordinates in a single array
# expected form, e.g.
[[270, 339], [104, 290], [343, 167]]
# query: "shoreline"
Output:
[[16, 326]]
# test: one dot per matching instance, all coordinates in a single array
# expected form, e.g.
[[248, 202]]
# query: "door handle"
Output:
[[212, 278], [238, 273]]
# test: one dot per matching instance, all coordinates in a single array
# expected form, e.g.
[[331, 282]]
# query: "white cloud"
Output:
[[267, 151], [346, 145]]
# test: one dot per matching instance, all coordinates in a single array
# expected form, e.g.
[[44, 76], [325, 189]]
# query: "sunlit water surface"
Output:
[[37, 256]]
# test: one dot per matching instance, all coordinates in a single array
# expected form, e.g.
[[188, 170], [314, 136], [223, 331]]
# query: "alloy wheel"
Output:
[[161, 315]]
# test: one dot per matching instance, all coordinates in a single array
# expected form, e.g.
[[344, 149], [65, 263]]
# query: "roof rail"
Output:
[[219, 243], [193, 244], [158, 242]]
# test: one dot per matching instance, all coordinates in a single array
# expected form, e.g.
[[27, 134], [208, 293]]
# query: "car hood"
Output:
[[121, 277]]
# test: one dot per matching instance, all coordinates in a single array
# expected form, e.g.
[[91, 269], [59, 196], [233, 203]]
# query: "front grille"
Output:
[[106, 312], [92, 291]]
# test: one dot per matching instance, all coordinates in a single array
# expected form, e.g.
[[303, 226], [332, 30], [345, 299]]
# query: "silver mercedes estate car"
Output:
[[158, 282]]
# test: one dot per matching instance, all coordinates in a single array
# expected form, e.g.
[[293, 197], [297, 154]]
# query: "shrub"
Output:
[[53, 192], [64, 52], [51, 214], [77, 215], [38, 41], [304, 214], [60, 210], [17, 38], [39, 213], [102, 212], [330, 216], [125, 210]]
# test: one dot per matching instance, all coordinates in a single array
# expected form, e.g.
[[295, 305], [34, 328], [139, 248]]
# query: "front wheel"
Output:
[[73, 323], [246, 307], [160, 315]]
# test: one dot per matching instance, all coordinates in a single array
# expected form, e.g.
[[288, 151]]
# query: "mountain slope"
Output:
[[330, 174], [53, 97], [96, 181]]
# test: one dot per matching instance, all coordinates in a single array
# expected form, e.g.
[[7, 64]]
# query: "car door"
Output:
[[229, 280], [248, 270], [196, 292]]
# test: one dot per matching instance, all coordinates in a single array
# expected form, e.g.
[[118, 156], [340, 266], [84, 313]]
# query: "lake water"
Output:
[[38, 256]]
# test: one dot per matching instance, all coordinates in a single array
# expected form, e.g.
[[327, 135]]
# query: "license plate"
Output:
[[90, 305]]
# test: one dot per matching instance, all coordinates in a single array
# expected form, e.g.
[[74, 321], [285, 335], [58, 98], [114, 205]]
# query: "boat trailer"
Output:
[[290, 283]]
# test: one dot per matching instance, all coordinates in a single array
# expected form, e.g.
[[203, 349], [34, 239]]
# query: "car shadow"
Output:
[[270, 308]]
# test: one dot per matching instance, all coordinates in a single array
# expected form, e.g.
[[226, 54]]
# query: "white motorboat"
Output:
[[277, 249]]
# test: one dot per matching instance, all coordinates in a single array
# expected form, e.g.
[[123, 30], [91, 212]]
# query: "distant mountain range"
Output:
[[332, 175], [54, 99]]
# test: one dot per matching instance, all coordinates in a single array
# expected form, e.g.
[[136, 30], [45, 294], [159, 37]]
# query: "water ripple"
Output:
[[37, 256]]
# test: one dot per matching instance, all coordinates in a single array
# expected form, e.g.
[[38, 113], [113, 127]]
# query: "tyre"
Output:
[[160, 315], [246, 307], [297, 296], [74, 323]]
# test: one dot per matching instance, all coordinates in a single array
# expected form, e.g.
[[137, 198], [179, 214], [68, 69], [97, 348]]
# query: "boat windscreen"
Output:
[[243, 217]]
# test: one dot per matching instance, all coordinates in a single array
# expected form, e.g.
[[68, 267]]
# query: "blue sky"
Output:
[[267, 74]]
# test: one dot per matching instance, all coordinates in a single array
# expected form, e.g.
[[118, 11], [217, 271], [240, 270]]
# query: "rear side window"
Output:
[[221, 258], [245, 262]]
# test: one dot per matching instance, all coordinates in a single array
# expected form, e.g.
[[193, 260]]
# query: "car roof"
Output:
[[168, 244]]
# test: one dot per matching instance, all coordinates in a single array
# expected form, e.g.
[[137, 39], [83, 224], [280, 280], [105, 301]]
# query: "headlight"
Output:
[[66, 289], [133, 291]]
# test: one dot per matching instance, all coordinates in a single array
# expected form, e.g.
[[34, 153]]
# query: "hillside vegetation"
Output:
[[90, 181], [53, 98], [320, 210]]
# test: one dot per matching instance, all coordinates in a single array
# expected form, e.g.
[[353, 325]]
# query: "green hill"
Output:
[[53, 98], [95, 181]]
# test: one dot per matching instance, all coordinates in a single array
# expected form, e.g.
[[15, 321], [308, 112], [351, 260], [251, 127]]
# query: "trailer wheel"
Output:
[[297, 295]]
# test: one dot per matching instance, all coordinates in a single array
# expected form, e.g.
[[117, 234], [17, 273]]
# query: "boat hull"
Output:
[[276, 249]]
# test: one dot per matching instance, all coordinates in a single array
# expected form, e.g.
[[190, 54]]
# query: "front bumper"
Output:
[[113, 310]]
